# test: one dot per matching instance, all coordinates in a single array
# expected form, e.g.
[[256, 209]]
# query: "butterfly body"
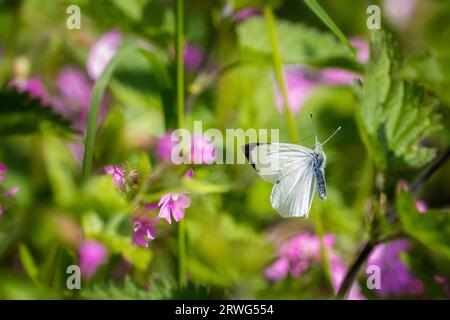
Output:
[[319, 162]]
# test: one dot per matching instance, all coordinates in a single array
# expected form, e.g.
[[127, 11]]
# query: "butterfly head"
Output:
[[318, 147]]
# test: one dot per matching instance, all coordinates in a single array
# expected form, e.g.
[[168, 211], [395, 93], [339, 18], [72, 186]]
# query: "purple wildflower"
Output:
[[118, 176], [102, 52], [396, 278], [189, 173], [33, 86], [165, 146], [144, 227], [247, 12], [399, 12], [299, 87], [421, 206], [174, 203], [202, 150], [92, 255]]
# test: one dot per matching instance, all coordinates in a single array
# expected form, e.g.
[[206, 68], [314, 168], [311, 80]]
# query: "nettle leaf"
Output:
[[298, 44], [431, 70], [394, 115], [432, 228], [22, 114], [157, 288]]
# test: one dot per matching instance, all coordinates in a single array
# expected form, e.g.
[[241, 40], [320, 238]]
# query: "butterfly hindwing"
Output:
[[292, 195]]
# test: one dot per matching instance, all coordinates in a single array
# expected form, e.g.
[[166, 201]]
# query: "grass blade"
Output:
[[320, 12]]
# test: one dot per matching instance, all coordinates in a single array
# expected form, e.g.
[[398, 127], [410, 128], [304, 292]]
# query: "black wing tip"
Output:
[[248, 148]]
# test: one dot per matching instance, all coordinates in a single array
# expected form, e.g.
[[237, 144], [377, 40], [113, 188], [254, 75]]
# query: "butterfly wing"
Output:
[[274, 161], [290, 167], [293, 194]]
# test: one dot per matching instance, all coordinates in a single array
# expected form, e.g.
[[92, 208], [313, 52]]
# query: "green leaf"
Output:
[[28, 263], [97, 94], [431, 70], [204, 187], [156, 288], [164, 85], [298, 44], [394, 115], [60, 167], [321, 13], [22, 114], [432, 228]]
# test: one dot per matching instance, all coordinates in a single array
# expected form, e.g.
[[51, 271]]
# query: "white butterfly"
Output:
[[294, 170]]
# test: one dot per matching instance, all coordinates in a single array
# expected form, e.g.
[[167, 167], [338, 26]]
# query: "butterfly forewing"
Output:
[[273, 161], [290, 168]]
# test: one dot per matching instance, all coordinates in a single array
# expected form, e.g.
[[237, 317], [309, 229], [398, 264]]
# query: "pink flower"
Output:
[[400, 12], [338, 77], [102, 52], [396, 278], [193, 56], [11, 192], [189, 173], [165, 146], [202, 150], [300, 251], [92, 255], [118, 176], [421, 206], [338, 271], [3, 170], [75, 95], [299, 87], [34, 87], [144, 228], [362, 47], [174, 203], [248, 12], [278, 270]]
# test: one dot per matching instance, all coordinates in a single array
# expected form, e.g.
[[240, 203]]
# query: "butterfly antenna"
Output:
[[314, 125], [329, 138]]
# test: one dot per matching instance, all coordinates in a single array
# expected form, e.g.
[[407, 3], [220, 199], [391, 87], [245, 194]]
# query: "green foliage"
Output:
[[432, 228], [321, 13], [298, 43], [394, 116], [156, 288], [431, 70], [28, 262], [22, 114]]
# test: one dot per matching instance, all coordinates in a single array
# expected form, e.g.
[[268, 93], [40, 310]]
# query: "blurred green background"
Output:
[[395, 121]]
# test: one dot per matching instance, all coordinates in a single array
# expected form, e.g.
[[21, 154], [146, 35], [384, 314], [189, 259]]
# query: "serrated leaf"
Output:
[[432, 228], [394, 116], [22, 114]]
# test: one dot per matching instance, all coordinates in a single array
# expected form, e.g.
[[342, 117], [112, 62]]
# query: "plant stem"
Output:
[[391, 216], [270, 20], [180, 116], [180, 63], [323, 252], [352, 272]]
